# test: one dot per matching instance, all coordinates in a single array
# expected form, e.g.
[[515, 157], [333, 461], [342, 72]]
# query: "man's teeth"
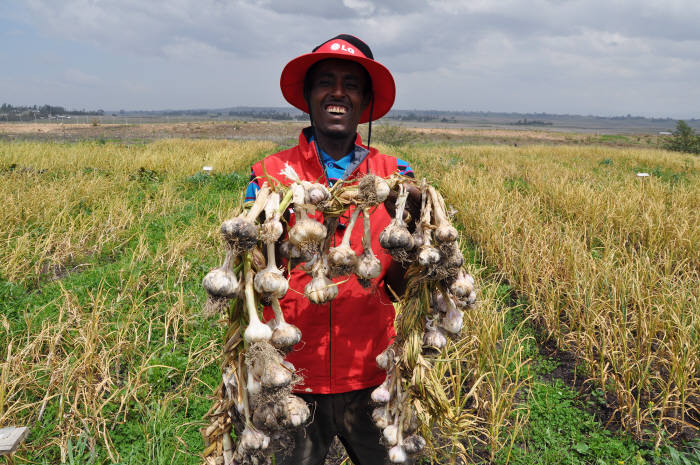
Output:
[[335, 109]]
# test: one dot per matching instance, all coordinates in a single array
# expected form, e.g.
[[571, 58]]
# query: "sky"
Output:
[[587, 57]]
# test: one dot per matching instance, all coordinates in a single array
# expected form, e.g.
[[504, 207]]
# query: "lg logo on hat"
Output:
[[337, 46]]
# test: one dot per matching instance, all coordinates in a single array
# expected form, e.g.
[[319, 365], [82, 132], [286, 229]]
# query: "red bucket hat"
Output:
[[344, 47]]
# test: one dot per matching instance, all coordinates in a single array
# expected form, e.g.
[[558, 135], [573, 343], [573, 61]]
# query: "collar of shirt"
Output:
[[335, 169]]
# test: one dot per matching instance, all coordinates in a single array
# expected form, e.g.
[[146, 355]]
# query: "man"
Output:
[[340, 85]]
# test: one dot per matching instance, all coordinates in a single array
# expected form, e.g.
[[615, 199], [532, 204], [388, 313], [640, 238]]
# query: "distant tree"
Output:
[[683, 139]]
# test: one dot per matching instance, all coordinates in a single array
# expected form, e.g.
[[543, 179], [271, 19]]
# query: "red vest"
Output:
[[341, 339]]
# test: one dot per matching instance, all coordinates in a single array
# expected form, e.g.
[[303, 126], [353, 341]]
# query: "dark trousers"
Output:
[[347, 415]]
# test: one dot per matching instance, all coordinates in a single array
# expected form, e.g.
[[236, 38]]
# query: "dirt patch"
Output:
[[279, 132]]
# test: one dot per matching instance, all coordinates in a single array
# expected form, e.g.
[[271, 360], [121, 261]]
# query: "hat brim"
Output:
[[383, 87]]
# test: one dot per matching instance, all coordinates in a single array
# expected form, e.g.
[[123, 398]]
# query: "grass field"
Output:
[[589, 314]]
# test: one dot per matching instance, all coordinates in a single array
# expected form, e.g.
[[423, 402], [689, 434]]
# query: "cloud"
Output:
[[537, 51], [78, 77]]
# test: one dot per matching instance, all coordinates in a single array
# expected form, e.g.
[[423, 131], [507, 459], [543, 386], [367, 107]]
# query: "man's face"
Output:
[[337, 97]]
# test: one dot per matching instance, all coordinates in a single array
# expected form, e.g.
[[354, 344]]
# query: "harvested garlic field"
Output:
[[589, 304]]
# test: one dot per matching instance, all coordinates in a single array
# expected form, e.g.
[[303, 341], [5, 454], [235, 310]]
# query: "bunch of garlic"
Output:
[[256, 391]]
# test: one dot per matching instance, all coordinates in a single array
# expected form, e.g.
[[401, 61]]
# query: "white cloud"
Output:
[[541, 53]]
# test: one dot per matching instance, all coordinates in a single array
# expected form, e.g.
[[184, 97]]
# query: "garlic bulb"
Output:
[[397, 454], [315, 193], [275, 376], [252, 439], [433, 337], [241, 232], [395, 238], [342, 259], [270, 281], [256, 330], [307, 234], [441, 303], [413, 444], [372, 190], [381, 394], [368, 265], [284, 335], [253, 385], [293, 411], [320, 289], [381, 417], [463, 285], [391, 434], [452, 321], [386, 358], [265, 417], [222, 281], [444, 232]]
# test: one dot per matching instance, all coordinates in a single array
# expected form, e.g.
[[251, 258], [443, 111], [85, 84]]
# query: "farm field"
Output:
[[589, 284]]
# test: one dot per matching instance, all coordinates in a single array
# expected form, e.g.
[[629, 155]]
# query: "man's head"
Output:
[[301, 74], [337, 92]]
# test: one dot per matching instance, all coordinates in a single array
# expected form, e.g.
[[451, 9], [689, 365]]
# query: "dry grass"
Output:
[[82, 357], [609, 262], [66, 202]]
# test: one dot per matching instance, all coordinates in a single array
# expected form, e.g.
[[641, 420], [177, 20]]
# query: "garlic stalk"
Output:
[[368, 265], [397, 453], [227, 446], [342, 259], [320, 289], [444, 232], [271, 229], [256, 330], [395, 238], [284, 335], [222, 281], [427, 254], [307, 234], [241, 232]]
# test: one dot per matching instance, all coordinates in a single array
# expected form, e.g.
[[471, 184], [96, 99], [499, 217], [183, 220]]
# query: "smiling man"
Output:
[[340, 85]]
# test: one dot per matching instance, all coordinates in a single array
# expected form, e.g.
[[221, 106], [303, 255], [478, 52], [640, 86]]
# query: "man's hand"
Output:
[[411, 213]]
